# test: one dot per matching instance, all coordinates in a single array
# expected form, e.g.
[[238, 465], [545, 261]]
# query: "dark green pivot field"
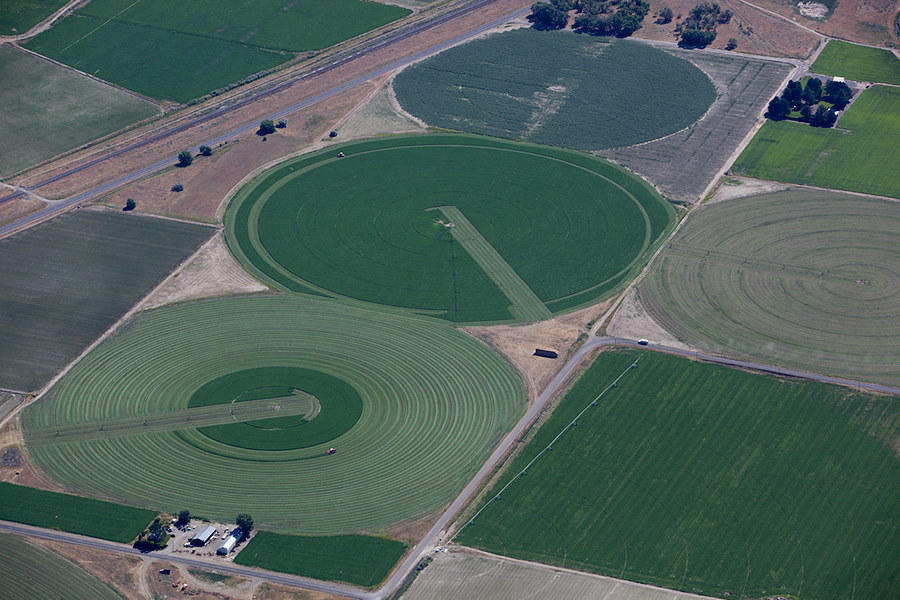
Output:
[[461, 227]]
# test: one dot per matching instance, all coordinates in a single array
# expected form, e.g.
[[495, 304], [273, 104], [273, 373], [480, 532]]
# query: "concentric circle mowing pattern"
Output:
[[802, 279], [460, 227], [434, 403]]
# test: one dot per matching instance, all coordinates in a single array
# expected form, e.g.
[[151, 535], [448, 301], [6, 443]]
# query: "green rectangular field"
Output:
[[66, 281], [75, 514], [711, 480], [858, 63], [860, 154], [358, 559], [49, 109], [18, 16], [179, 51]]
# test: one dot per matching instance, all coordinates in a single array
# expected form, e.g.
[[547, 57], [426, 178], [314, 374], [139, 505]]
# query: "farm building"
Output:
[[204, 536], [545, 353], [229, 544]]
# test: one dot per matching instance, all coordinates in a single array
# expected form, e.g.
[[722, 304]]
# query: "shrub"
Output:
[[266, 126], [281, 124], [178, 187], [185, 158], [732, 44], [205, 150], [129, 204]]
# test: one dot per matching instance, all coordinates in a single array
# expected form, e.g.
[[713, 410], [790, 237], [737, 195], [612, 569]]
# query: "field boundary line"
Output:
[[525, 303]]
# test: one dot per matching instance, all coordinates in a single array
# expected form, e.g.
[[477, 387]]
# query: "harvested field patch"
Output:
[[29, 572], [171, 50], [682, 165], [858, 63], [373, 225], [358, 559], [435, 402], [48, 109], [859, 155], [93, 266], [709, 479], [800, 279], [556, 88], [18, 16]]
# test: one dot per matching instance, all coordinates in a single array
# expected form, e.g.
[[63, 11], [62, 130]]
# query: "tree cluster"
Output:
[[546, 16], [153, 538], [806, 98], [597, 17], [245, 522], [698, 30], [665, 15]]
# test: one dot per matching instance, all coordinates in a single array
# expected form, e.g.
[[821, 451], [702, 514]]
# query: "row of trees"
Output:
[[597, 17], [806, 99]]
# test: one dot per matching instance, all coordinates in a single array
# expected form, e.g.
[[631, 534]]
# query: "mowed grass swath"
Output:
[[75, 514], [178, 51], [28, 571], [48, 109], [862, 160], [858, 63], [711, 480], [358, 559], [18, 16], [374, 225], [435, 401], [557, 88], [93, 267], [802, 279]]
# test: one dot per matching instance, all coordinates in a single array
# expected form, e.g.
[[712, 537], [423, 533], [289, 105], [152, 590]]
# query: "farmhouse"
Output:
[[204, 536]]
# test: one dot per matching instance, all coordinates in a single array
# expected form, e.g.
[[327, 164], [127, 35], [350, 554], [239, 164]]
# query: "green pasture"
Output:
[[337, 408], [48, 109], [434, 403], [858, 155], [75, 514], [711, 480], [374, 225], [29, 572], [18, 16], [178, 51], [93, 267], [358, 559], [802, 279], [858, 63], [557, 88]]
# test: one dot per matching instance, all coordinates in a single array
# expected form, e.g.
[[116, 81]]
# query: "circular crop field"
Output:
[[461, 227], [802, 279], [557, 88], [411, 406]]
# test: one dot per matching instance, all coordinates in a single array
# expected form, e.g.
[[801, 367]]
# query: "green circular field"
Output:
[[557, 88], [460, 227], [803, 279], [433, 403]]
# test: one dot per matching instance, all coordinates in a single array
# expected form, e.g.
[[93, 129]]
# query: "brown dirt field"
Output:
[[15, 209], [121, 572], [118, 166], [267, 591], [11, 437], [863, 21], [518, 342], [755, 31]]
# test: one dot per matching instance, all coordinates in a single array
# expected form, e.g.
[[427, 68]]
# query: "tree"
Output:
[[814, 84], [778, 109], [838, 93], [266, 127], [545, 16], [665, 16], [185, 158], [697, 38], [281, 124], [823, 117], [178, 187], [245, 522], [129, 204], [732, 44], [205, 150], [184, 518], [792, 93]]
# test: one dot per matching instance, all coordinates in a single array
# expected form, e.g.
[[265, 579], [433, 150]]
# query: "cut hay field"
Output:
[[711, 480], [464, 228], [361, 560], [174, 50], [858, 63], [93, 267], [801, 279], [435, 401], [557, 88], [859, 155], [18, 16], [29, 572], [48, 109]]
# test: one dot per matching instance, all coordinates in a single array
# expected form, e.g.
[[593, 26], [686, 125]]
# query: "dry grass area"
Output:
[[18, 208], [518, 343], [380, 115], [268, 591], [121, 572], [20, 471], [755, 31], [741, 187], [212, 272], [863, 21], [632, 322]]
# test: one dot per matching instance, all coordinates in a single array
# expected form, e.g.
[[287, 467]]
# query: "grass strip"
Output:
[[858, 63]]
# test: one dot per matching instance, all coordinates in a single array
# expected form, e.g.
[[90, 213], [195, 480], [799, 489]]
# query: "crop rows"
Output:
[[28, 572], [556, 88], [806, 280], [434, 403]]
